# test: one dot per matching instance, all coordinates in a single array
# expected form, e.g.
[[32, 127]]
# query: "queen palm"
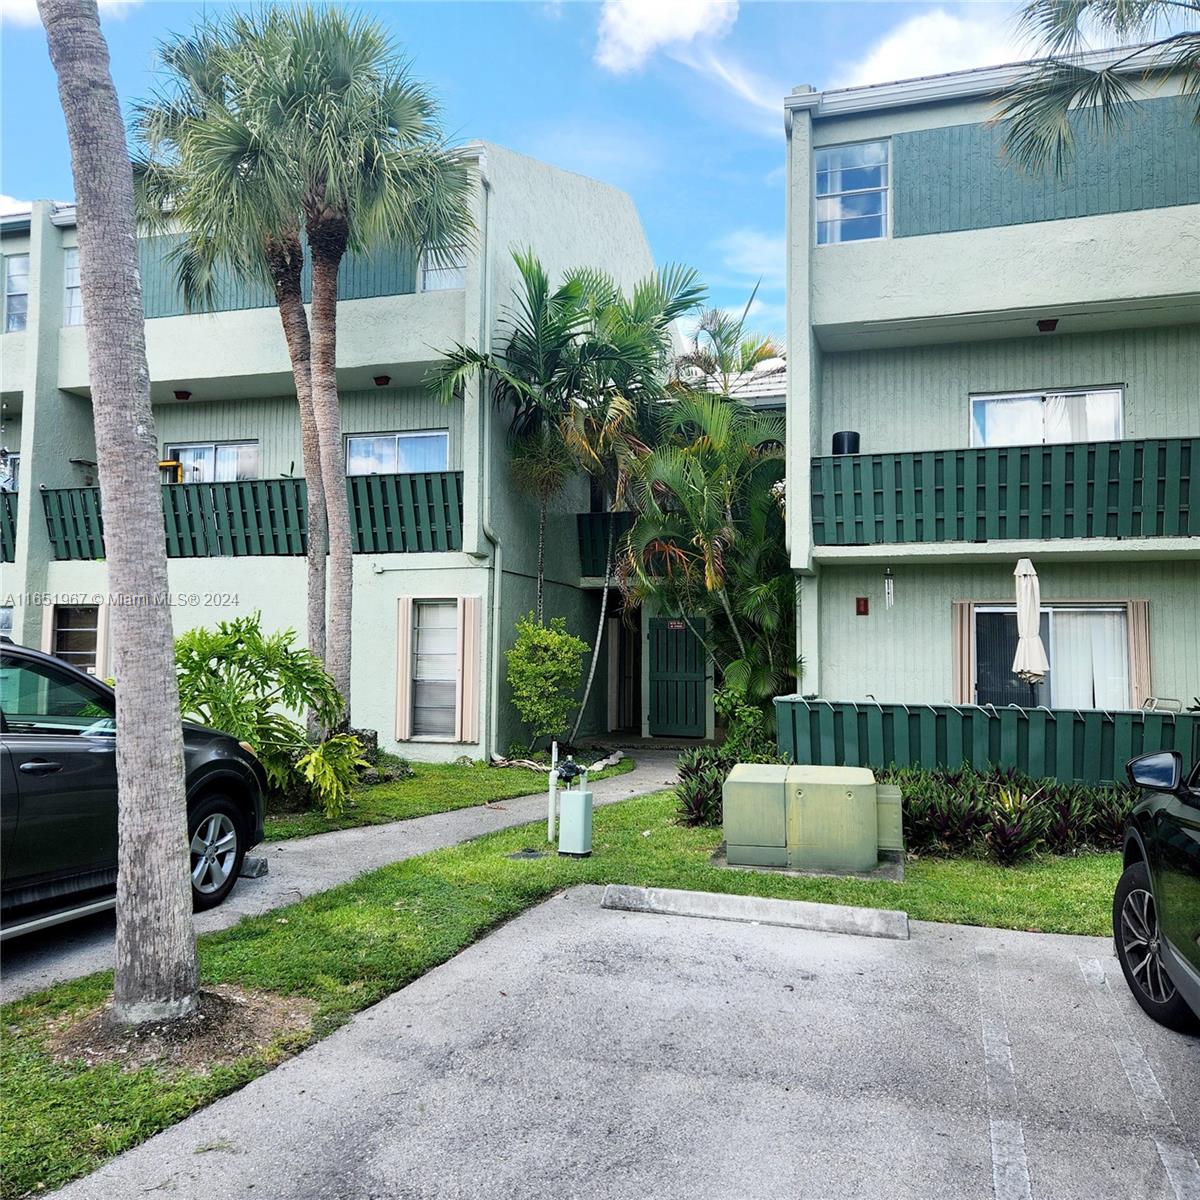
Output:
[[534, 378], [370, 167], [156, 974], [1039, 108], [209, 166]]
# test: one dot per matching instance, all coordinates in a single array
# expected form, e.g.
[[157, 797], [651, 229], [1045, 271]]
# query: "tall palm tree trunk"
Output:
[[156, 977], [587, 690], [327, 242], [286, 259], [543, 504]]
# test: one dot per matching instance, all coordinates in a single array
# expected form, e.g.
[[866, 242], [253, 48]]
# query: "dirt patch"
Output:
[[229, 1024]]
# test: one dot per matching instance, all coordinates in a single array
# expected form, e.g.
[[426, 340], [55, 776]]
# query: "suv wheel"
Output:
[[218, 845], [1139, 950]]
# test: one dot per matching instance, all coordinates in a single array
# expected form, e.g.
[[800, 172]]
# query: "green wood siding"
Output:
[[389, 514], [916, 397], [1086, 745], [274, 423], [8, 526], [906, 652], [386, 272], [956, 177], [1069, 490]]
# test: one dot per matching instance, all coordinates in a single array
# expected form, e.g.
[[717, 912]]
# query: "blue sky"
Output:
[[677, 101]]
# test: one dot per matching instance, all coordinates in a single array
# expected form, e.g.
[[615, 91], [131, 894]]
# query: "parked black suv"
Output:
[[58, 796], [1156, 910]]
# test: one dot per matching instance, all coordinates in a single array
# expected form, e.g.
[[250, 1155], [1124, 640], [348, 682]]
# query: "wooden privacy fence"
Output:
[[593, 539], [1146, 488], [8, 526], [410, 513], [1082, 745]]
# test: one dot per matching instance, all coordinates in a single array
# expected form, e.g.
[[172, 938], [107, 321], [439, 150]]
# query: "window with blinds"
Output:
[[435, 641]]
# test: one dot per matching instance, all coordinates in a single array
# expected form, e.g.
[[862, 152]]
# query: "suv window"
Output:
[[35, 698]]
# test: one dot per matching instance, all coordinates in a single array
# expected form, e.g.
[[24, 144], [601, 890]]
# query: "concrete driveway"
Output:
[[581, 1052], [302, 866]]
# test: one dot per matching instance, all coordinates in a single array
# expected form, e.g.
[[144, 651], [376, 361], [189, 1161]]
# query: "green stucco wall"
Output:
[[956, 177], [906, 653], [916, 397], [275, 423], [382, 273]]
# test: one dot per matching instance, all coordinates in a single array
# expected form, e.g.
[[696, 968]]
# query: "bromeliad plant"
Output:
[[256, 686]]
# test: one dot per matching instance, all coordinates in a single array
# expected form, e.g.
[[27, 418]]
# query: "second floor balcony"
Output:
[[1148, 488], [389, 514]]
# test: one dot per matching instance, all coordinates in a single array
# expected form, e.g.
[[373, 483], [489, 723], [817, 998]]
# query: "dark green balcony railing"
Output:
[[593, 539], [1146, 488], [1084, 745], [389, 514], [8, 526]]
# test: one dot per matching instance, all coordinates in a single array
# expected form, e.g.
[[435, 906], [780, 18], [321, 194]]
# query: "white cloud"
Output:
[[954, 38], [11, 206], [632, 30], [24, 12], [752, 255]]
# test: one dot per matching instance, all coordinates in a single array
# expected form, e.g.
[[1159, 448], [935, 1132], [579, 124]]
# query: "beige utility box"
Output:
[[809, 817]]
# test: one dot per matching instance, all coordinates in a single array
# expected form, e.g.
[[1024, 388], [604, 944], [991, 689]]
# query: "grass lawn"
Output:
[[433, 788], [349, 947]]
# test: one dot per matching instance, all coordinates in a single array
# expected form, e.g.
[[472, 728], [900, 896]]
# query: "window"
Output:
[[1088, 649], [76, 635], [10, 472], [6, 620], [434, 668], [16, 292], [397, 453], [447, 275], [72, 295], [215, 462], [1034, 418], [852, 192], [35, 698]]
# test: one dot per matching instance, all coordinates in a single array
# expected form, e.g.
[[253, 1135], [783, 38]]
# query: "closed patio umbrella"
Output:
[[1030, 662]]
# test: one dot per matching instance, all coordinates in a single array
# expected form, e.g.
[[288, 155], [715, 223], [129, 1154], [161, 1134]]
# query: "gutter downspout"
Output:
[[492, 722]]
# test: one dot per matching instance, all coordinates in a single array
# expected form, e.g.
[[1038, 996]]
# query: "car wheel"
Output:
[[218, 845], [1139, 950]]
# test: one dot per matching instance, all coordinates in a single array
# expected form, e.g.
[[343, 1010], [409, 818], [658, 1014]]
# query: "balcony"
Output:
[[389, 514], [1087, 746], [8, 526], [1132, 489], [593, 539]]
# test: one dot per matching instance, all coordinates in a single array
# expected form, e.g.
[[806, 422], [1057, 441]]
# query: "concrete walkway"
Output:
[[302, 866], [583, 1052]]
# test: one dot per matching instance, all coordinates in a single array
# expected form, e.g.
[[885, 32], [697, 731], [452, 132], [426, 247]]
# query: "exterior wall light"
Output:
[[1049, 325], [382, 380], [183, 394]]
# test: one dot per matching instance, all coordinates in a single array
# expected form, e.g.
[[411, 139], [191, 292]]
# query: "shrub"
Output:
[[545, 665], [746, 736], [1015, 823], [257, 687], [702, 774]]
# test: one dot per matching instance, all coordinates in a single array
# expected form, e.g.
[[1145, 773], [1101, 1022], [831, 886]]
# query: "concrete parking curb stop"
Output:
[[793, 914]]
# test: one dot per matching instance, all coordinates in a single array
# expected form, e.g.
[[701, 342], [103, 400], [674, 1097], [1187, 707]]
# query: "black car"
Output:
[[58, 796], [1156, 910]]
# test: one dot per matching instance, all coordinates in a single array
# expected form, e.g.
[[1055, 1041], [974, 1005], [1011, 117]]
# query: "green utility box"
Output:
[[809, 817]]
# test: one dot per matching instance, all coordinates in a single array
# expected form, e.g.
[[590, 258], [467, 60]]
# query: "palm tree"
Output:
[[619, 410], [370, 166], [208, 165], [534, 378], [1039, 108], [156, 975], [722, 349], [708, 540]]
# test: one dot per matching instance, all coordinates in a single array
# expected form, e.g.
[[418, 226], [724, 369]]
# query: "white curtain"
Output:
[[1006, 421], [1083, 416], [1089, 657]]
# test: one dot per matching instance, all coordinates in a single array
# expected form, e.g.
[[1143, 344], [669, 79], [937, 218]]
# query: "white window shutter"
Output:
[[466, 723], [404, 670]]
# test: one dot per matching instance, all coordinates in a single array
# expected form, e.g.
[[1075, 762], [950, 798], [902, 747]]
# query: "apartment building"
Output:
[[1016, 359], [445, 545]]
